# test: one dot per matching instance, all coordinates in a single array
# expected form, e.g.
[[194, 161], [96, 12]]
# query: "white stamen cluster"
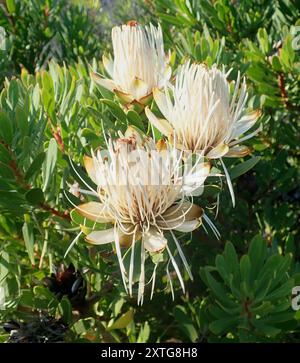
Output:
[[202, 113], [139, 62], [141, 191]]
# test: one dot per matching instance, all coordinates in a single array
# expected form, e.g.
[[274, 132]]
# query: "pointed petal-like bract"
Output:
[[108, 64], [238, 151], [218, 151], [90, 168], [94, 211], [189, 226], [154, 241], [104, 82], [101, 237], [162, 125], [108, 236]]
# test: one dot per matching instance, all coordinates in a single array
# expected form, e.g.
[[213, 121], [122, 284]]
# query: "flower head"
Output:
[[202, 113], [142, 193], [67, 281], [139, 62]]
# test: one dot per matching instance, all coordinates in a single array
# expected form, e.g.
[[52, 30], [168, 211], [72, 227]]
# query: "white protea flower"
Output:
[[202, 114], [139, 63], [142, 192]]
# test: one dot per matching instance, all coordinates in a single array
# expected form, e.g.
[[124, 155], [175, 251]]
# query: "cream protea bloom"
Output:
[[139, 62], [202, 114], [142, 193]]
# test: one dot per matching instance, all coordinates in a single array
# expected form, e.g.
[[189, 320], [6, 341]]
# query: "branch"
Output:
[[283, 92], [57, 136], [55, 212], [20, 179]]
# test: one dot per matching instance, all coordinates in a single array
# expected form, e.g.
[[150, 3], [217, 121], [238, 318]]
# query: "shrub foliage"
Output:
[[52, 113]]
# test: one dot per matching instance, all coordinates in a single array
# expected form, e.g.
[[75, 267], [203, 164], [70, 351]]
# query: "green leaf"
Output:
[[8, 225], [36, 97], [218, 290], [35, 196], [43, 292], [70, 199], [263, 40], [276, 64], [22, 119], [264, 308], [144, 333], [6, 172], [257, 254], [49, 163], [48, 95], [135, 119], [290, 244], [231, 257], [157, 257], [89, 134], [27, 297], [222, 268], [123, 321], [78, 174], [282, 269], [242, 168], [297, 315], [116, 306], [115, 110], [28, 238], [282, 291], [81, 326], [13, 93], [223, 325], [5, 267], [11, 6], [171, 19], [6, 128], [266, 329], [5, 156], [245, 269], [266, 276], [36, 165], [185, 323], [65, 310], [279, 318], [105, 93]]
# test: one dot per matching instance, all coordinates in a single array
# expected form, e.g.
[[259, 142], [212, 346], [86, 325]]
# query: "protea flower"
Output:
[[69, 282], [139, 63], [142, 192], [202, 114]]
